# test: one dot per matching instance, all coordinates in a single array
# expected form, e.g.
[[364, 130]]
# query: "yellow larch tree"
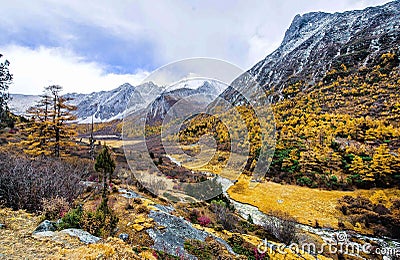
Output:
[[48, 131], [358, 166], [381, 163]]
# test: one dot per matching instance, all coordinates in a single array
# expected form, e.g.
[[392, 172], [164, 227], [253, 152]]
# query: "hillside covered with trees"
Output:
[[340, 133]]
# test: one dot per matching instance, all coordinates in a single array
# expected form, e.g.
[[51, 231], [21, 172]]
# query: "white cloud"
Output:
[[33, 69], [241, 32]]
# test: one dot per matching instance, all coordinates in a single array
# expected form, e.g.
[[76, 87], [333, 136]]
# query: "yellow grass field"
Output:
[[114, 143], [207, 160], [306, 205]]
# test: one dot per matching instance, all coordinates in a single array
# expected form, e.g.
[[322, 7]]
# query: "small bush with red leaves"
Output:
[[204, 221], [55, 208]]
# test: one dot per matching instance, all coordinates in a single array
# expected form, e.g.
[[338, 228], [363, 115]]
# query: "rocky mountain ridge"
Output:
[[318, 42], [106, 106]]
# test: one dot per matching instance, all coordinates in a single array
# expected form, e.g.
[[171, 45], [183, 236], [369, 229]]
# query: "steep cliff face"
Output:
[[333, 87]]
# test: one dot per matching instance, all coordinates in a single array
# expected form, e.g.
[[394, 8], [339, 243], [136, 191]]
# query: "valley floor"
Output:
[[306, 205]]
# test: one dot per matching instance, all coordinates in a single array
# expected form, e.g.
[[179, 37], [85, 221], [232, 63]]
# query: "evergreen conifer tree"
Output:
[[5, 81], [106, 165]]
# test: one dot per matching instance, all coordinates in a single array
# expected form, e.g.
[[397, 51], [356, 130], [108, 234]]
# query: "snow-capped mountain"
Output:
[[109, 105], [318, 42], [149, 91], [19, 103], [103, 106], [196, 94]]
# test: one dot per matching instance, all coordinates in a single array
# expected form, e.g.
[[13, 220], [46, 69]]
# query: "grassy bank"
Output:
[[306, 205]]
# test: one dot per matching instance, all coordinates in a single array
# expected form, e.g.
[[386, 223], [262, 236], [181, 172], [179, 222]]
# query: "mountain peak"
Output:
[[317, 42], [126, 85], [302, 26]]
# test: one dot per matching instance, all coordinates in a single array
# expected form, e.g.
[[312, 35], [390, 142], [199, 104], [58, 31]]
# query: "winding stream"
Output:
[[260, 218]]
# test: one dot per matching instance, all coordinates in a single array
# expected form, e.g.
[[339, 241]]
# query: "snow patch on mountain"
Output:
[[105, 106], [19, 103], [318, 42], [204, 92]]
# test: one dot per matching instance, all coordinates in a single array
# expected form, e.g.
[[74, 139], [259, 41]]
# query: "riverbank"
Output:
[[308, 206], [359, 240]]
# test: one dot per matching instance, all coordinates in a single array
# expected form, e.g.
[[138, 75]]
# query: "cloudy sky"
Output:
[[88, 47]]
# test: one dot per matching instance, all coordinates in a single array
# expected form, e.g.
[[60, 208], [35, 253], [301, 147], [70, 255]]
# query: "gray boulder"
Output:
[[83, 236], [46, 225], [123, 236], [44, 234], [129, 194], [177, 230]]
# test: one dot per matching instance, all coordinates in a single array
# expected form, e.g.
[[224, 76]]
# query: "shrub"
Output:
[[381, 209], [218, 202], [137, 201], [199, 249], [54, 208], [204, 221], [94, 177], [382, 221], [224, 216], [209, 249], [128, 206], [229, 221], [396, 204], [25, 182], [203, 189], [194, 215], [142, 209], [222, 200], [72, 219], [101, 222], [246, 226], [98, 223], [241, 247], [352, 205], [155, 185], [304, 181], [106, 219]]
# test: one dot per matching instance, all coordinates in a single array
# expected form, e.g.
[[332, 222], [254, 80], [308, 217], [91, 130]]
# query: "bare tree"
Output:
[[281, 226]]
